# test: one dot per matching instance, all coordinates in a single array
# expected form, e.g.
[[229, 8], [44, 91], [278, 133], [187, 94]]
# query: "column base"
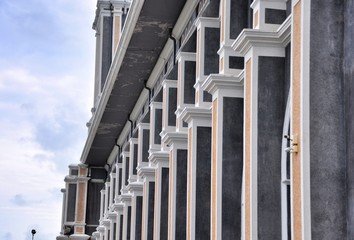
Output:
[[62, 237], [79, 237]]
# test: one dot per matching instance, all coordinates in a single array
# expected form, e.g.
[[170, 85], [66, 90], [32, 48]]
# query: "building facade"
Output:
[[218, 119]]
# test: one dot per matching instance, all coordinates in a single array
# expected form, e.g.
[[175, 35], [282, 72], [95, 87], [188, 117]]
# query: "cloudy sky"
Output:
[[46, 89]]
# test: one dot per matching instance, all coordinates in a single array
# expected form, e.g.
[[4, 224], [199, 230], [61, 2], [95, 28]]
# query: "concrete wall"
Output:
[[327, 122], [271, 72], [348, 71]]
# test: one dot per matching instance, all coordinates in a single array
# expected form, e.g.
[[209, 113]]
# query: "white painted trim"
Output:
[[216, 82], [305, 119], [284, 183], [249, 38]]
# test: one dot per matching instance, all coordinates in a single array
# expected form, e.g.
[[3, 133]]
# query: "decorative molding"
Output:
[[112, 216], [215, 82], [251, 37], [170, 138], [157, 157], [118, 207], [145, 172], [190, 113], [135, 186], [125, 198]]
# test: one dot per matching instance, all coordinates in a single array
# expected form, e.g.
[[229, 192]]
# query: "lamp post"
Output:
[[33, 232]]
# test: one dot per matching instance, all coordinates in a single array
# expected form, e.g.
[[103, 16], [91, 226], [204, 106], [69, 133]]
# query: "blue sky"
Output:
[[46, 89]]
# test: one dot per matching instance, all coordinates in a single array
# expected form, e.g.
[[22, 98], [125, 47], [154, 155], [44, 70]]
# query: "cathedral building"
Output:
[[220, 120]]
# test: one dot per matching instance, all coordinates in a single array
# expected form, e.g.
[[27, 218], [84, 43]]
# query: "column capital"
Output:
[[118, 207], [249, 38], [62, 237], [190, 113], [158, 157], [215, 82], [79, 237], [112, 216], [146, 172], [100, 228], [135, 187], [126, 198], [169, 138]]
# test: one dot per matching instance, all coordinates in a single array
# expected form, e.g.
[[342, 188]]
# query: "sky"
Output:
[[46, 90]]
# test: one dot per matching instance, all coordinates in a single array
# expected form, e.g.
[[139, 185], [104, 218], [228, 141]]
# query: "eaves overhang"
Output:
[[144, 36]]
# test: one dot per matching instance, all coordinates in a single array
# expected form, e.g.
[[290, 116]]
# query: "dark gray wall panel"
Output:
[[114, 230], [270, 129], [191, 44], [181, 195], [236, 62], [202, 222], [172, 100], [70, 215], [98, 173], [146, 140], [121, 228], [232, 165], [126, 170], [120, 180], [106, 48], [189, 81], [93, 202], [138, 217], [249, 14], [158, 126], [211, 47], [151, 210], [274, 16], [212, 10], [89, 230], [239, 16], [164, 204], [207, 97], [288, 8], [348, 68], [135, 159], [327, 131], [129, 218]]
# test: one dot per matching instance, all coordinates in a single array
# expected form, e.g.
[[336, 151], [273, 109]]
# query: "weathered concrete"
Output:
[[232, 165], [327, 131], [164, 204], [240, 11], [203, 181], [181, 195], [348, 70], [270, 128], [151, 210], [189, 81]]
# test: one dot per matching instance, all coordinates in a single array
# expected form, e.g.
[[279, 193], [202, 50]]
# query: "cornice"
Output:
[[170, 138], [146, 171], [112, 215], [190, 113], [118, 207], [159, 156], [253, 37], [215, 82], [126, 198], [135, 186], [208, 21]]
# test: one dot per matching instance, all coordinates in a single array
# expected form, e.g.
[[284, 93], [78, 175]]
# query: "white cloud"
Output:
[[46, 88]]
